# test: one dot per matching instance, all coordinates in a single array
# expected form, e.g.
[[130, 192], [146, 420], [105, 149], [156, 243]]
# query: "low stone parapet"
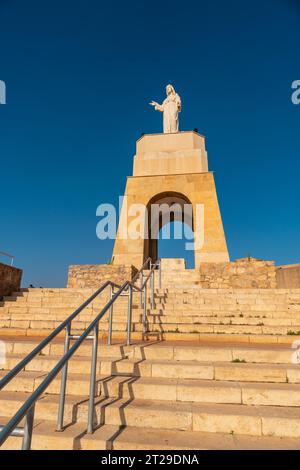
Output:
[[93, 275], [241, 274]]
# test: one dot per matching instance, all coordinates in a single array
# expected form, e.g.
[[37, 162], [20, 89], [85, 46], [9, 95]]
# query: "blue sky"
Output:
[[79, 77]]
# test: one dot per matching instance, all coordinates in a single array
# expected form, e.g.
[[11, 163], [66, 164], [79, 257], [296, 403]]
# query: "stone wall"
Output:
[[243, 274], [10, 279], [93, 275], [288, 277]]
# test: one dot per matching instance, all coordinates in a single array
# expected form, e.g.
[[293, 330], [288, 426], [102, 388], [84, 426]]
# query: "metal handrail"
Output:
[[8, 377], [22, 364], [27, 409], [2, 253]]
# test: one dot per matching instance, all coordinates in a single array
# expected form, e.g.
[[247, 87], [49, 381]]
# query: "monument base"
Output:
[[171, 169], [246, 273], [197, 189]]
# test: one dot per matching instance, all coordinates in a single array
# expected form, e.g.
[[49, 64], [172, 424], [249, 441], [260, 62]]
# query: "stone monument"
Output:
[[171, 168]]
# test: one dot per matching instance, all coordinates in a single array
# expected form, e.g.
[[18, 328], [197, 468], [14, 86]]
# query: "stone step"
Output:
[[259, 299], [23, 333], [221, 327], [154, 350], [238, 370], [48, 320], [24, 346], [228, 290], [23, 382], [261, 353], [60, 314], [59, 318], [187, 390], [77, 365], [235, 299], [46, 438], [112, 437], [28, 381], [215, 320], [230, 295], [76, 407], [215, 307], [218, 328], [223, 313], [209, 309], [235, 371], [135, 438], [292, 295], [37, 326], [204, 391], [208, 418], [193, 302], [190, 418], [25, 307], [173, 335], [77, 325], [169, 294]]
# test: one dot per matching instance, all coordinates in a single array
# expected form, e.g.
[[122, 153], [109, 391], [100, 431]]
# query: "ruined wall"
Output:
[[243, 274], [10, 279], [93, 275]]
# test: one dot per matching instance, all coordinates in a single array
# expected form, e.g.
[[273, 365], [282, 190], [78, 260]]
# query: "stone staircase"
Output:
[[194, 314], [216, 370]]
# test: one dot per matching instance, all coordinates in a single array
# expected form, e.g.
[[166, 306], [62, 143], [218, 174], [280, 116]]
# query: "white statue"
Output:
[[170, 107]]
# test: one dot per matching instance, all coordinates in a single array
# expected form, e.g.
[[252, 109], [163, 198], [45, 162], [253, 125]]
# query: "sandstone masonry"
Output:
[[10, 279], [243, 273], [93, 275]]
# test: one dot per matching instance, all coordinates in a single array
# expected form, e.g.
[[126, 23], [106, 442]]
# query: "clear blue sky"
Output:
[[79, 77]]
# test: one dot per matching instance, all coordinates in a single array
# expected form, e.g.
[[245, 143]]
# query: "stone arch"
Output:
[[178, 203]]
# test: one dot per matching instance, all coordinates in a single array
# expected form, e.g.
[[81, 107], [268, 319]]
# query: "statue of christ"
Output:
[[170, 107]]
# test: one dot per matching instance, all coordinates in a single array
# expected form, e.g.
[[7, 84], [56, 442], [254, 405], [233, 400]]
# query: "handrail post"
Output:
[[152, 288], [145, 310], [159, 274], [110, 317], [63, 383], [28, 428], [141, 292], [90, 426], [129, 315]]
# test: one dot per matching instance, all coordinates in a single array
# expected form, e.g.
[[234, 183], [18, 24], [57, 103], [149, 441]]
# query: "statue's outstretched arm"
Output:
[[157, 106]]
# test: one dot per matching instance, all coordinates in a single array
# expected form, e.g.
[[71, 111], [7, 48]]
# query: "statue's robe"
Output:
[[170, 107]]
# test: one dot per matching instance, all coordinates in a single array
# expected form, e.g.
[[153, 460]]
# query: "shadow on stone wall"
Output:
[[288, 276], [10, 279]]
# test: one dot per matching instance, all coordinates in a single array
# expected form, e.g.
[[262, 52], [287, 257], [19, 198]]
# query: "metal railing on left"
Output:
[[27, 410], [7, 255]]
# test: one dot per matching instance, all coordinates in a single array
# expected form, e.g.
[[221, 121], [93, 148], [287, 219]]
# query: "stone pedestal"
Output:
[[170, 154]]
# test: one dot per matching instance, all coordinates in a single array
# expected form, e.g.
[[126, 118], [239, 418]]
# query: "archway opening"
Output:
[[170, 222], [174, 241]]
